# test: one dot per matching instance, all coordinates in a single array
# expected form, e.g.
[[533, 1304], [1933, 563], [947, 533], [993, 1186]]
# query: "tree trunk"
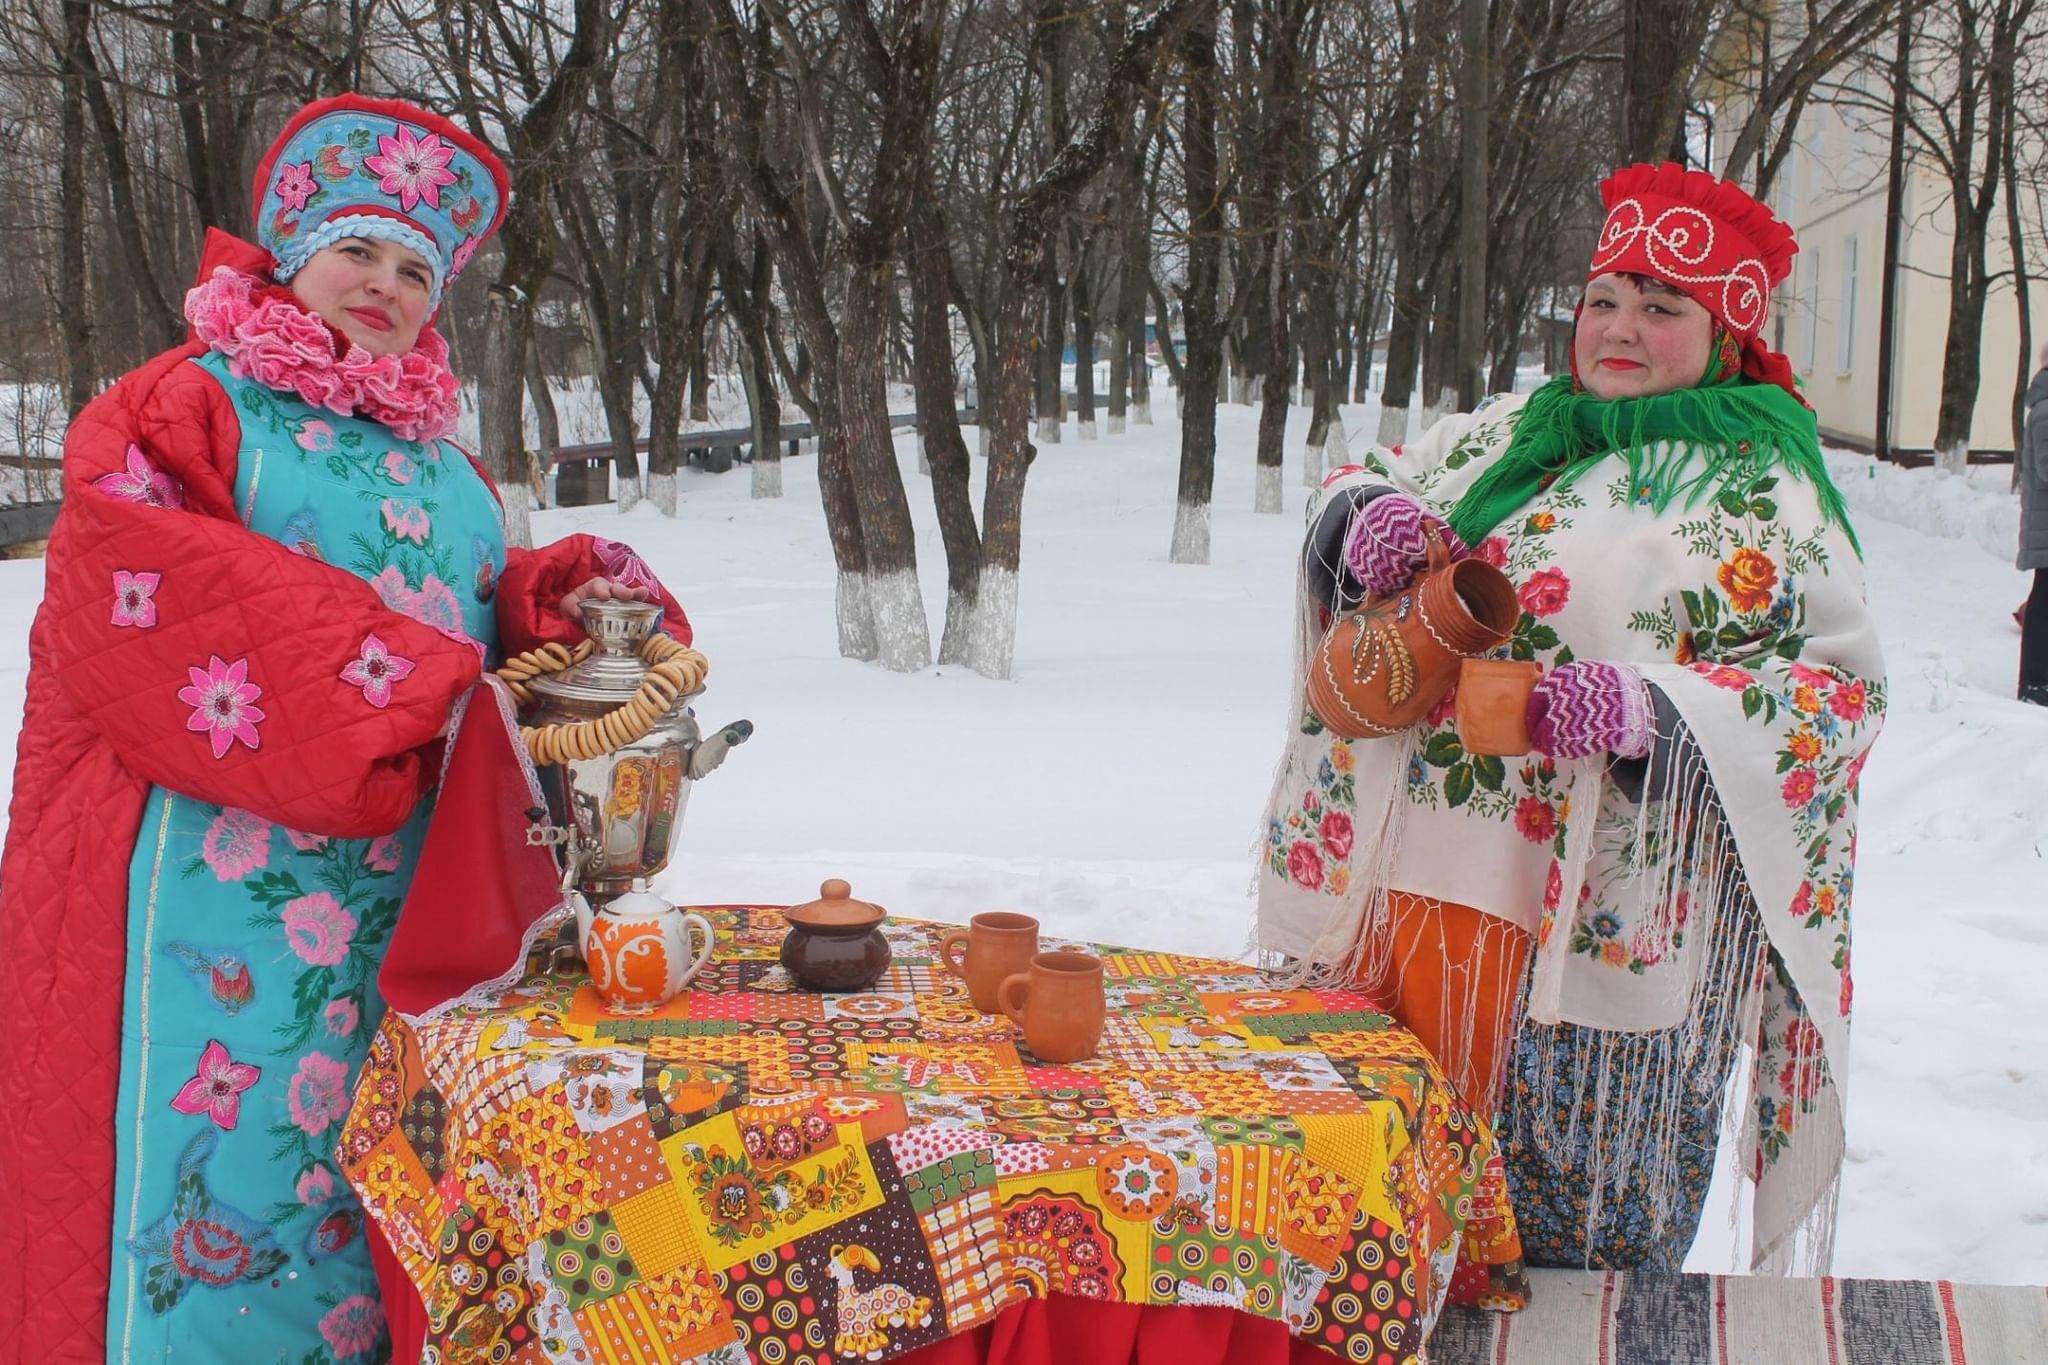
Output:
[[1052, 339], [938, 426], [544, 410], [1084, 347], [1162, 327], [902, 634], [1279, 367], [1404, 344], [749, 297], [72, 317], [501, 388], [1205, 244]]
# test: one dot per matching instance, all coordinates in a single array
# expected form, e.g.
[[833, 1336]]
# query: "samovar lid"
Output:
[[613, 670]]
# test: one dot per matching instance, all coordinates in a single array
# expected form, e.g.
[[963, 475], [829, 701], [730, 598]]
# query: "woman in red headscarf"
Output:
[[271, 581], [1588, 934]]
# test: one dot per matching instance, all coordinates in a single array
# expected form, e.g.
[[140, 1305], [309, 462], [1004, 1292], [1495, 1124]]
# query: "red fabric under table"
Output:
[[1080, 1331]]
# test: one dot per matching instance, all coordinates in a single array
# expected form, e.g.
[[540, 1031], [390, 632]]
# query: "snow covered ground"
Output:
[[1113, 787]]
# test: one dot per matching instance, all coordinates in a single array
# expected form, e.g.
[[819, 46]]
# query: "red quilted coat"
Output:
[[103, 722]]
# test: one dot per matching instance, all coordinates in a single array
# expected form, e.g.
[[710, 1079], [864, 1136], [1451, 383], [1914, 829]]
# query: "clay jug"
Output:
[[835, 943], [1381, 667], [1058, 1004], [995, 945], [1493, 705]]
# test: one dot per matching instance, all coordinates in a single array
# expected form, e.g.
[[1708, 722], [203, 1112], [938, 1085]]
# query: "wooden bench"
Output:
[[583, 476]]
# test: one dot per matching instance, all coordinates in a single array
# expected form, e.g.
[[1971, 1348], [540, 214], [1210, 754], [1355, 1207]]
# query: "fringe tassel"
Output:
[[1681, 874]]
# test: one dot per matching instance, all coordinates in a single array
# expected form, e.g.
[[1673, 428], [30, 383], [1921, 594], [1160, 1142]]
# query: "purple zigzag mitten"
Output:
[[1386, 544], [1585, 707]]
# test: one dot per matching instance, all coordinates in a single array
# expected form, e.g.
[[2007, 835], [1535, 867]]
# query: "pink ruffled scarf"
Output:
[[268, 337]]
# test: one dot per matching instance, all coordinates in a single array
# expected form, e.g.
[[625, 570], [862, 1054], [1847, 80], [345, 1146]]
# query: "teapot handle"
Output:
[[1439, 553], [695, 921]]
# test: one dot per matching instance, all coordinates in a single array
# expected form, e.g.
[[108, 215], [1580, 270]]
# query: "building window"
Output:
[[1845, 322], [1810, 302]]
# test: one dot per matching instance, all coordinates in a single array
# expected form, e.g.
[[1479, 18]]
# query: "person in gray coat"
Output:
[[2033, 482]]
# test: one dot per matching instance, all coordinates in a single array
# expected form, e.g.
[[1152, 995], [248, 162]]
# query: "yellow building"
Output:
[[1832, 191]]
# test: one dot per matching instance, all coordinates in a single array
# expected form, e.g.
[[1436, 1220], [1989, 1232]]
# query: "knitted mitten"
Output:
[[1584, 707], [1386, 544]]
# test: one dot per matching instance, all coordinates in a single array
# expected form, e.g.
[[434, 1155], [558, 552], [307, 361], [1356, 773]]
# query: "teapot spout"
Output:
[[712, 749]]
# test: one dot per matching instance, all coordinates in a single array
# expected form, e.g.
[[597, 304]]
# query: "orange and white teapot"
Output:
[[639, 948]]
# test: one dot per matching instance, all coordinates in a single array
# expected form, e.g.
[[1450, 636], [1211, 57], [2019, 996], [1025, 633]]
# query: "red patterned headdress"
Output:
[[1708, 239]]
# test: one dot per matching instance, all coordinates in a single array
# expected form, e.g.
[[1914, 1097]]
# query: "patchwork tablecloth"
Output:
[[759, 1172]]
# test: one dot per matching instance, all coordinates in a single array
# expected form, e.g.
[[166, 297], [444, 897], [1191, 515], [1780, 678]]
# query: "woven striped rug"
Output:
[[1607, 1318]]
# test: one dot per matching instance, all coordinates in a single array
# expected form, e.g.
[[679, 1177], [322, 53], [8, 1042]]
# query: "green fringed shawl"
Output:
[[1719, 437]]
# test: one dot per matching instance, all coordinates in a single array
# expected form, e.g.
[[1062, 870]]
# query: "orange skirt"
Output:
[[1453, 978]]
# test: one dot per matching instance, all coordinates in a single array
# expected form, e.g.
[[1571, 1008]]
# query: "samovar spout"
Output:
[[712, 749]]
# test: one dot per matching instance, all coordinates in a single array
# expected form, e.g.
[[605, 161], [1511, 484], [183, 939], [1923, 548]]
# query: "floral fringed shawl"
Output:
[[1746, 610]]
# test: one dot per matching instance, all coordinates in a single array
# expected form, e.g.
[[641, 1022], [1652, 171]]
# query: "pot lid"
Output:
[[835, 909], [613, 671]]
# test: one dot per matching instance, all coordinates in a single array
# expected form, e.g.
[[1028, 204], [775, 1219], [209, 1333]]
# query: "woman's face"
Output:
[[1634, 340], [375, 292]]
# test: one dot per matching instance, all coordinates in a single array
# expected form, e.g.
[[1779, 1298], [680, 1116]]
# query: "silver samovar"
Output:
[[617, 814]]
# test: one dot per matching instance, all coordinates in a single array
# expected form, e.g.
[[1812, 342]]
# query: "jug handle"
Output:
[[1011, 997]]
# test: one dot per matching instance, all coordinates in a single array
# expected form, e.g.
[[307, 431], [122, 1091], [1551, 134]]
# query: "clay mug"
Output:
[[995, 944], [1058, 1004], [639, 950], [1493, 705]]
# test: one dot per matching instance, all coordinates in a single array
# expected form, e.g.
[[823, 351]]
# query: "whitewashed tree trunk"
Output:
[[1393, 426], [1265, 490], [924, 461], [661, 491], [1116, 424], [1311, 466], [856, 618], [981, 441], [1430, 412], [903, 637], [1048, 431], [1141, 411], [1953, 459], [518, 513], [956, 644], [1190, 534], [767, 478], [628, 494], [1087, 427], [1336, 443], [994, 643]]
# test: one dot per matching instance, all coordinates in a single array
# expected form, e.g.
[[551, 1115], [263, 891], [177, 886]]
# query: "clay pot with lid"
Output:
[[1382, 667], [835, 943]]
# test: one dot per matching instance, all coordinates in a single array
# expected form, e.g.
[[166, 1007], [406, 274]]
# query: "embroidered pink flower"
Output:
[[216, 1089], [1553, 887], [315, 1187], [318, 1093], [306, 843], [1536, 819], [236, 844], [1850, 703], [1802, 901], [295, 184], [621, 565], [1305, 865], [142, 482], [1545, 592], [314, 436], [397, 468], [384, 854], [223, 702], [463, 252], [407, 521], [1493, 550], [318, 926], [342, 1016], [354, 1327], [1337, 834], [1798, 788], [436, 605], [134, 598], [1803, 676], [375, 671], [413, 168]]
